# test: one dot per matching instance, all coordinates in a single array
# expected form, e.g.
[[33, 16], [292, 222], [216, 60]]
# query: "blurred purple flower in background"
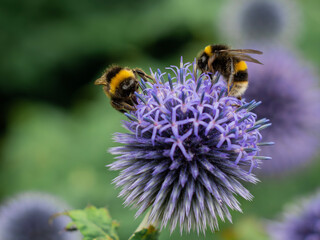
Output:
[[288, 90], [300, 221], [190, 145], [26, 217], [266, 21]]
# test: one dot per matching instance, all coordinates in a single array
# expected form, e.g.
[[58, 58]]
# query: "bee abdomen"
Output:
[[240, 84], [241, 76], [238, 89]]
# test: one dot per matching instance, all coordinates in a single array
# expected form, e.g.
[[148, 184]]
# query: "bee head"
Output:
[[101, 81], [202, 62]]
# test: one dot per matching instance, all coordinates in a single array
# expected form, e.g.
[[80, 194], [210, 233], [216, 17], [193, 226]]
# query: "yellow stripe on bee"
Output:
[[208, 50], [119, 77], [240, 66]]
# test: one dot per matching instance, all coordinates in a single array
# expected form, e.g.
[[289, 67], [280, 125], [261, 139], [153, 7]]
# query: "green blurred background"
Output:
[[56, 126]]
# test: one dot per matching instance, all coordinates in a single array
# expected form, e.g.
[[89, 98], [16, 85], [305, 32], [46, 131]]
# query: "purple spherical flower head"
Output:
[[299, 222], [188, 148], [260, 21], [26, 217], [291, 101]]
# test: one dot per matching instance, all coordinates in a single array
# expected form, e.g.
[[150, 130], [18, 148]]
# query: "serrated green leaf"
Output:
[[149, 233], [94, 223]]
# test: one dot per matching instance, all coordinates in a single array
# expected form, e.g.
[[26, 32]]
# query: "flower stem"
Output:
[[145, 225]]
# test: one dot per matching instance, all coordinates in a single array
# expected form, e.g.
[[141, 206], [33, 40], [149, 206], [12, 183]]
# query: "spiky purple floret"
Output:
[[300, 221], [26, 217], [189, 147], [291, 99]]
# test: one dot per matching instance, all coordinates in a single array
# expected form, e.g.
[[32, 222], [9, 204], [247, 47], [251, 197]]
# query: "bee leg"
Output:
[[117, 106], [210, 68], [128, 107], [232, 73], [211, 60], [133, 99], [235, 105], [143, 75], [122, 106]]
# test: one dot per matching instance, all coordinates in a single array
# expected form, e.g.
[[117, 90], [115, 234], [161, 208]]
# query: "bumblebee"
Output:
[[120, 85], [230, 63]]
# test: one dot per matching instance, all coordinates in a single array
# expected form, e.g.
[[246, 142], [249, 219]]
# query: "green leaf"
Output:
[[149, 233], [93, 223]]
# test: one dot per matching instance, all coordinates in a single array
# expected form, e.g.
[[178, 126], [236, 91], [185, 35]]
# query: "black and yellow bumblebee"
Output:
[[230, 63], [120, 85]]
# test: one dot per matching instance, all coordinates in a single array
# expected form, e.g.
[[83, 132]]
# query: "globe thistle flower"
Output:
[[299, 221], [266, 21], [288, 90], [26, 217], [188, 148]]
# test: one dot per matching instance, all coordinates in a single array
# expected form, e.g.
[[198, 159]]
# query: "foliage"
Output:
[[149, 233], [93, 223]]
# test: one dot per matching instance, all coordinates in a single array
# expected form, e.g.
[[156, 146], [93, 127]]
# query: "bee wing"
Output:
[[246, 58], [251, 51]]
